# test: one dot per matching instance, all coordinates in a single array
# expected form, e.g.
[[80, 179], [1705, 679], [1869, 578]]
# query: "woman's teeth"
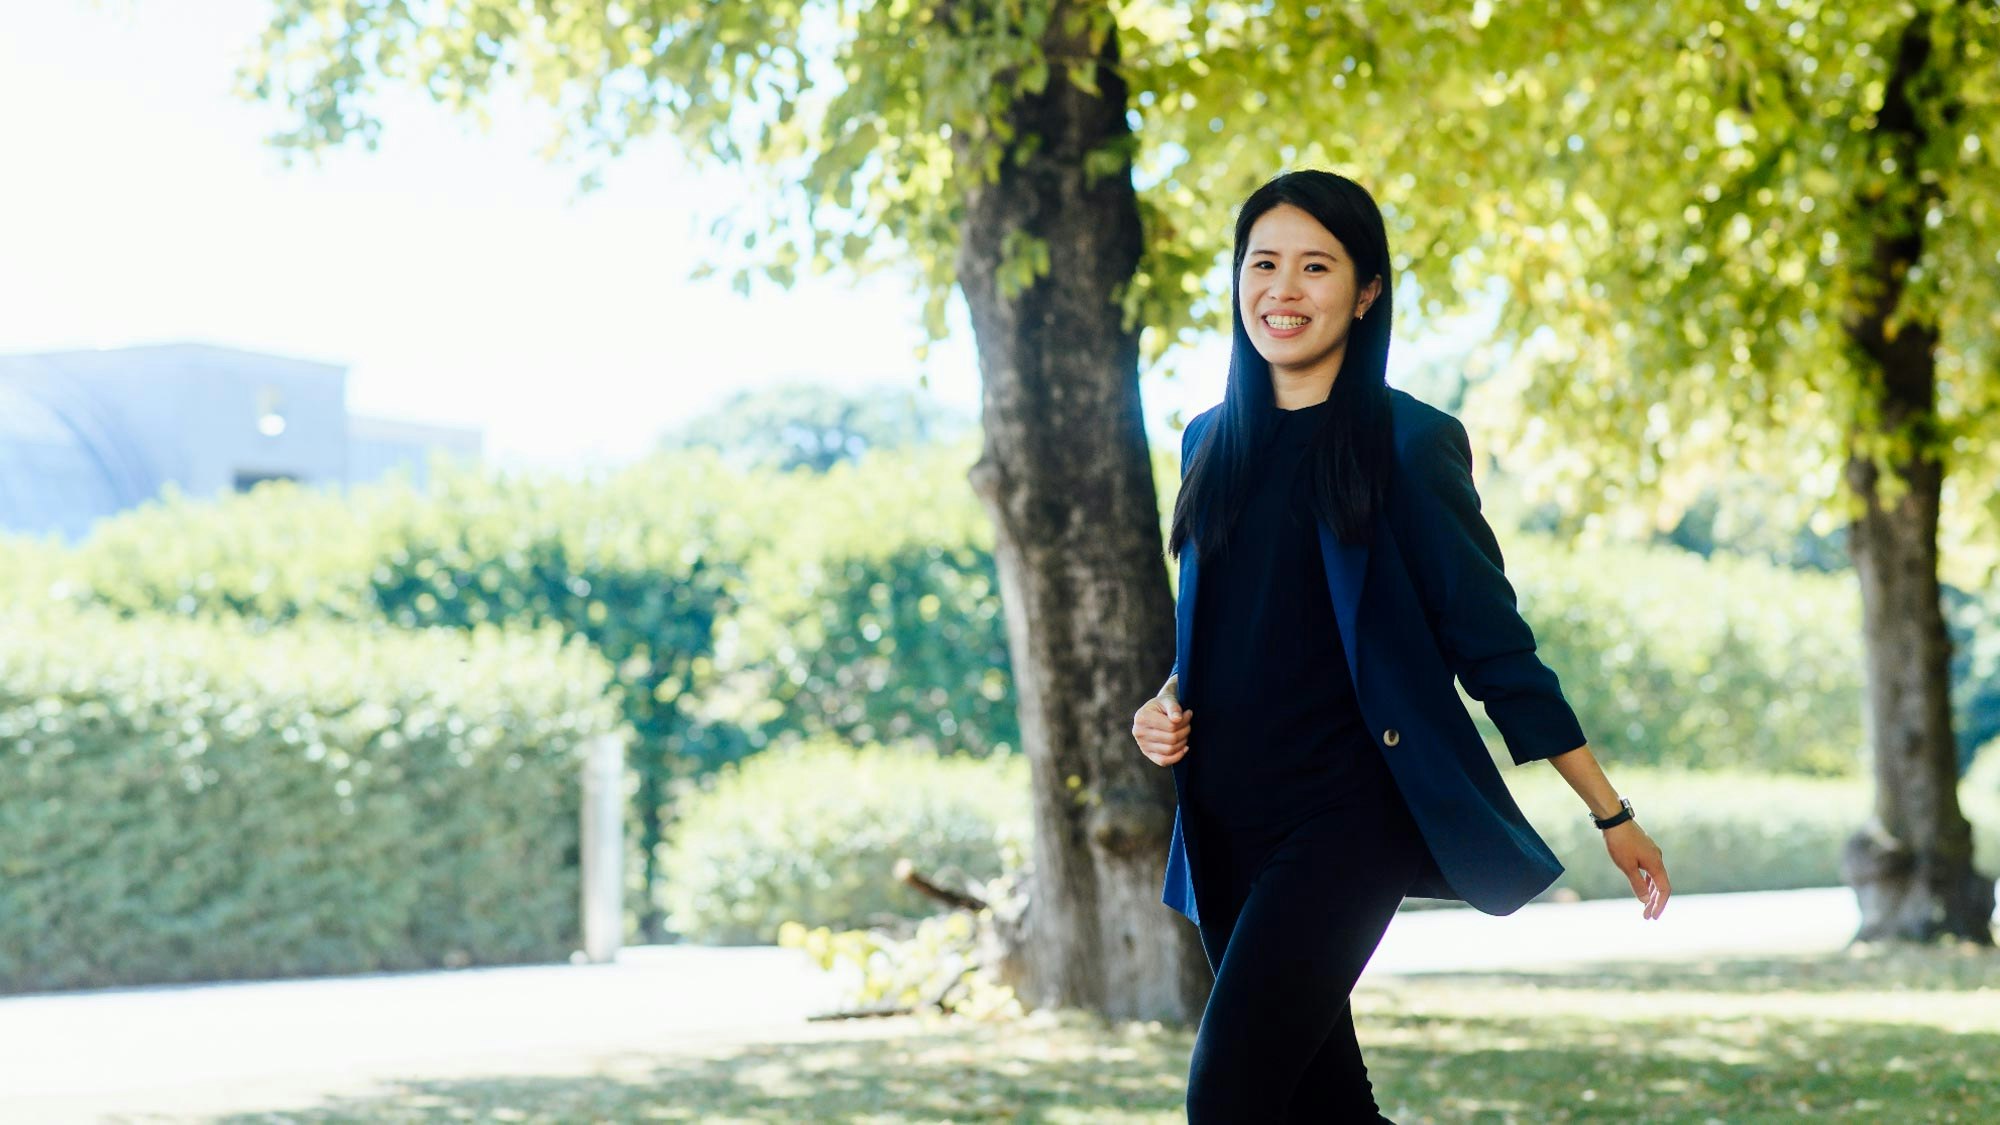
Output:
[[1286, 321]]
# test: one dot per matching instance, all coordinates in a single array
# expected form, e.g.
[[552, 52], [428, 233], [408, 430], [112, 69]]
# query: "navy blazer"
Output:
[[1429, 600]]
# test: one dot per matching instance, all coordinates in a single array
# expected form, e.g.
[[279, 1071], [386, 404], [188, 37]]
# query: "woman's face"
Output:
[[1299, 292]]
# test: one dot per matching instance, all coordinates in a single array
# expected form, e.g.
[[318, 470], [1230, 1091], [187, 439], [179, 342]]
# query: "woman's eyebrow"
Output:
[[1302, 253]]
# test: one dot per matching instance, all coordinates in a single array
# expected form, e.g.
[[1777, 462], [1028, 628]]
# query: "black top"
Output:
[[1277, 732]]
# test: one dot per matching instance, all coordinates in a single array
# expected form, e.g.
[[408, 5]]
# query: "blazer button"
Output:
[[1390, 737]]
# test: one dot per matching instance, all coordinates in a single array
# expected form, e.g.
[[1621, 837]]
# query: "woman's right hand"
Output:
[[1161, 726]]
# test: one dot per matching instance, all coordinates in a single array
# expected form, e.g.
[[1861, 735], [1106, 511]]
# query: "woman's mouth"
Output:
[[1284, 325]]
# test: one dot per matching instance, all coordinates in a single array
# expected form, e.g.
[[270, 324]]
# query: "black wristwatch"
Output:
[[1623, 814]]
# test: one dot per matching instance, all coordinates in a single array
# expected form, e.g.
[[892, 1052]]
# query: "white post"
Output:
[[603, 848]]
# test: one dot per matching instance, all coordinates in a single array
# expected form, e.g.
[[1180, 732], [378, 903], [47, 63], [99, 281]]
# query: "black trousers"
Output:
[[1290, 916]]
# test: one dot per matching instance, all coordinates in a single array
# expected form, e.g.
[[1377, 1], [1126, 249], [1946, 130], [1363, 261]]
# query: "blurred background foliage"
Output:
[[807, 655], [812, 426], [809, 831], [206, 799]]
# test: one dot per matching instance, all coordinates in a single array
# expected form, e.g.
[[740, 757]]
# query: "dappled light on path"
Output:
[[1862, 1035]]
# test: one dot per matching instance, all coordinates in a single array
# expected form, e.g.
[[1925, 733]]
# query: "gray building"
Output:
[[85, 434]]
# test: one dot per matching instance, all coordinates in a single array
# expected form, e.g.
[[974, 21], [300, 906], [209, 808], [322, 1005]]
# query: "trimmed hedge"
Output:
[[1678, 661], [31, 569], [1725, 831], [746, 608], [875, 616], [738, 607], [811, 833], [191, 801]]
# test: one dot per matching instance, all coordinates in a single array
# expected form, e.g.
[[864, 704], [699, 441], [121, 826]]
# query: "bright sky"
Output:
[[460, 277]]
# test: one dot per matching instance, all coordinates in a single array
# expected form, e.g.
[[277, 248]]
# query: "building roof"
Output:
[[64, 458]]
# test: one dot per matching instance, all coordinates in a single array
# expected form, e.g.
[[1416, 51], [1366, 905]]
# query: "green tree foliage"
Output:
[[813, 426], [849, 108], [1767, 526], [1678, 205]]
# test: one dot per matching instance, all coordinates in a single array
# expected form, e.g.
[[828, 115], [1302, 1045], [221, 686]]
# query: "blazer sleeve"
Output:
[[1455, 562]]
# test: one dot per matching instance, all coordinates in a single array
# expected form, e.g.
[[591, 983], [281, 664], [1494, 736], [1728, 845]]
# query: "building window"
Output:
[[247, 481], [270, 414]]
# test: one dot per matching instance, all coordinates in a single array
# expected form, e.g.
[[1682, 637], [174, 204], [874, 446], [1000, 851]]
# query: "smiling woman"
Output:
[[1299, 296], [1335, 770]]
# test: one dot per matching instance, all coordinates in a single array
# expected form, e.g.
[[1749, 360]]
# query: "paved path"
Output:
[[1549, 934], [179, 1052], [213, 1048]]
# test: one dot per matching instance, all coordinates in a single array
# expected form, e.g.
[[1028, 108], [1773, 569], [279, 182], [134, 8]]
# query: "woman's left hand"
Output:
[[1638, 857]]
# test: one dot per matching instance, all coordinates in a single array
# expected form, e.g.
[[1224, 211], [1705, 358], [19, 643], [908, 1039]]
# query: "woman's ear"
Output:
[[1368, 295]]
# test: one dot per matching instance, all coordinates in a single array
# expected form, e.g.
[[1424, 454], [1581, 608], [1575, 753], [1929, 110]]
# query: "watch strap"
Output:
[[1623, 814]]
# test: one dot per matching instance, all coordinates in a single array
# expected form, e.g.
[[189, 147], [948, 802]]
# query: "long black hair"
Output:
[[1352, 452]]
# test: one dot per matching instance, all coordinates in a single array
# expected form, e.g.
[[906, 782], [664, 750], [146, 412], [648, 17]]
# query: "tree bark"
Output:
[[1911, 866], [652, 916], [1066, 479]]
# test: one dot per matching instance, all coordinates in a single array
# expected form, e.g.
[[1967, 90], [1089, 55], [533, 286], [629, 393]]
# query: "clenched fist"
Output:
[[1161, 726]]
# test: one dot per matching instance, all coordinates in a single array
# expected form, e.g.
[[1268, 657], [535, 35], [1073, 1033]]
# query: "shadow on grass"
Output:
[[1860, 968], [1681, 1071], [1425, 1070], [1077, 1073], [1440, 1048]]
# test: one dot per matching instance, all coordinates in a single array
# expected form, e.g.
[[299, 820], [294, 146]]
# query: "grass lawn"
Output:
[[1874, 1035]]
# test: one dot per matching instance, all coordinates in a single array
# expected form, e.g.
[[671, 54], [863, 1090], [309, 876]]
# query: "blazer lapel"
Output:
[[1346, 567], [1184, 612]]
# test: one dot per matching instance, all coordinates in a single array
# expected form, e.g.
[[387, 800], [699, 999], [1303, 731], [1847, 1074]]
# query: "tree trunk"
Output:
[[1066, 479], [1912, 865], [652, 915]]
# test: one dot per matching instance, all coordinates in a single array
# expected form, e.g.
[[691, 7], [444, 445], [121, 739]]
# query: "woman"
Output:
[[1336, 770]]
